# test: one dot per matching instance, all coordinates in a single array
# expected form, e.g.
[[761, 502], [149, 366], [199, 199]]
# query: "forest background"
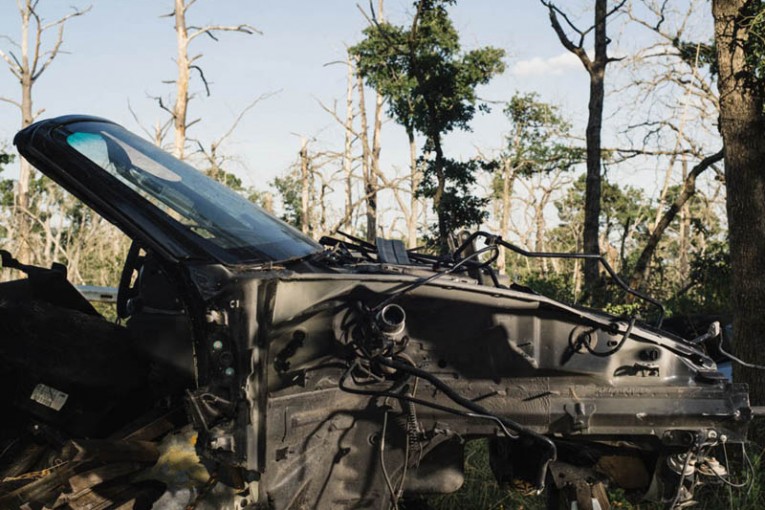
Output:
[[292, 123], [569, 126]]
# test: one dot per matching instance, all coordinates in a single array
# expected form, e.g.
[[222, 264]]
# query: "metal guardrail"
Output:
[[98, 294]]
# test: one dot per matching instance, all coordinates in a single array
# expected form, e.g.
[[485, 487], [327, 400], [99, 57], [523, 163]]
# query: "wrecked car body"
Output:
[[343, 374]]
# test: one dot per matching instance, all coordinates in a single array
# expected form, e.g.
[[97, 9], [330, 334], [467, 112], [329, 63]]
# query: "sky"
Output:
[[120, 53]]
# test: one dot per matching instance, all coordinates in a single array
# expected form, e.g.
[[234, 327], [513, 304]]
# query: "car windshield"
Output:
[[206, 208]]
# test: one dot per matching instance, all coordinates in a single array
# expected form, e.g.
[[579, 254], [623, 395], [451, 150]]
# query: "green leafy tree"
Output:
[[6, 185], [538, 142], [289, 188], [430, 86], [708, 288], [6, 190], [622, 224], [539, 137]]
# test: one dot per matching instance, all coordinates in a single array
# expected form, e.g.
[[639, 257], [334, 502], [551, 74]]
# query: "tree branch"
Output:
[[202, 76], [241, 115], [11, 101], [576, 49], [211, 29], [689, 188], [51, 55], [13, 63]]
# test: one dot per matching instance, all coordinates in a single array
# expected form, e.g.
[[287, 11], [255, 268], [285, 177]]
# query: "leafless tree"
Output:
[[596, 68], [672, 67], [374, 180], [186, 63], [27, 61], [212, 157]]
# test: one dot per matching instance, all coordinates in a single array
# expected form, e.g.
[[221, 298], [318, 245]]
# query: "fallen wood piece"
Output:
[[107, 450], [82, 484]]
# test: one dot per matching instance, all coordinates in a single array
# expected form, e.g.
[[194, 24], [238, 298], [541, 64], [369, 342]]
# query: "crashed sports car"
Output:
[[337, 374]]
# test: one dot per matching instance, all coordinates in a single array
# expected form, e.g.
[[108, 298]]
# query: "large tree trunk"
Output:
[[596, 68], [742, 123]]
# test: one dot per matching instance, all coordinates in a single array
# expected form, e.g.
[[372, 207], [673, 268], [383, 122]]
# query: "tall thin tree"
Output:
[[596, 69], [186, 63], [27, 62]]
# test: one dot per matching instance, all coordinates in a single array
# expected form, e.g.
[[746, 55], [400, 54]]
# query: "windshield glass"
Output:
[[207, 209]]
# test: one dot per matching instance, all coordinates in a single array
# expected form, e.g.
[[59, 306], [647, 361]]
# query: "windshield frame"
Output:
[[45, 145]]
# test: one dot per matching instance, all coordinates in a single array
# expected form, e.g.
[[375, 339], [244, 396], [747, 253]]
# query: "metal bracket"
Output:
[[580, 413]]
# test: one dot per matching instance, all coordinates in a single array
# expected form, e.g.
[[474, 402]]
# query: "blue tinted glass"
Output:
[[205, 207]]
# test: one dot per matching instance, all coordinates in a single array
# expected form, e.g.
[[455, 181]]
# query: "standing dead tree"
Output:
[[216, 161], [596, 68], [186, 63], [27, 62], [374, 180], [370, 162], [673, 66]]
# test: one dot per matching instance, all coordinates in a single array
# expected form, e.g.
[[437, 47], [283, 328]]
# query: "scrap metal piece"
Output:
[[392, 251]]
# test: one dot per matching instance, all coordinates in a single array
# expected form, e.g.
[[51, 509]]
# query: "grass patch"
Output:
[[481, 492]]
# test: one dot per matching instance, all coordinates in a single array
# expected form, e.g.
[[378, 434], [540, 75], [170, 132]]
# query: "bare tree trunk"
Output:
[[185, 34], [323, 208], [508, 178], [596, 68], [367, 167], [689, 188], [414, 178], [591, 232], [742, 123], [305, 188], [374, 185], [26, 173], [348, 147], [594, 123], [27, 69], [444, 230], [684, 232], [541, 227], [180, 111]]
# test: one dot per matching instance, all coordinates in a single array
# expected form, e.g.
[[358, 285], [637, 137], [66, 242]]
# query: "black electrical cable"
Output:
[[605, 354], [390, 394], [460, 400], [734, 358], [495, 240], [428, 279], [476, 411]]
